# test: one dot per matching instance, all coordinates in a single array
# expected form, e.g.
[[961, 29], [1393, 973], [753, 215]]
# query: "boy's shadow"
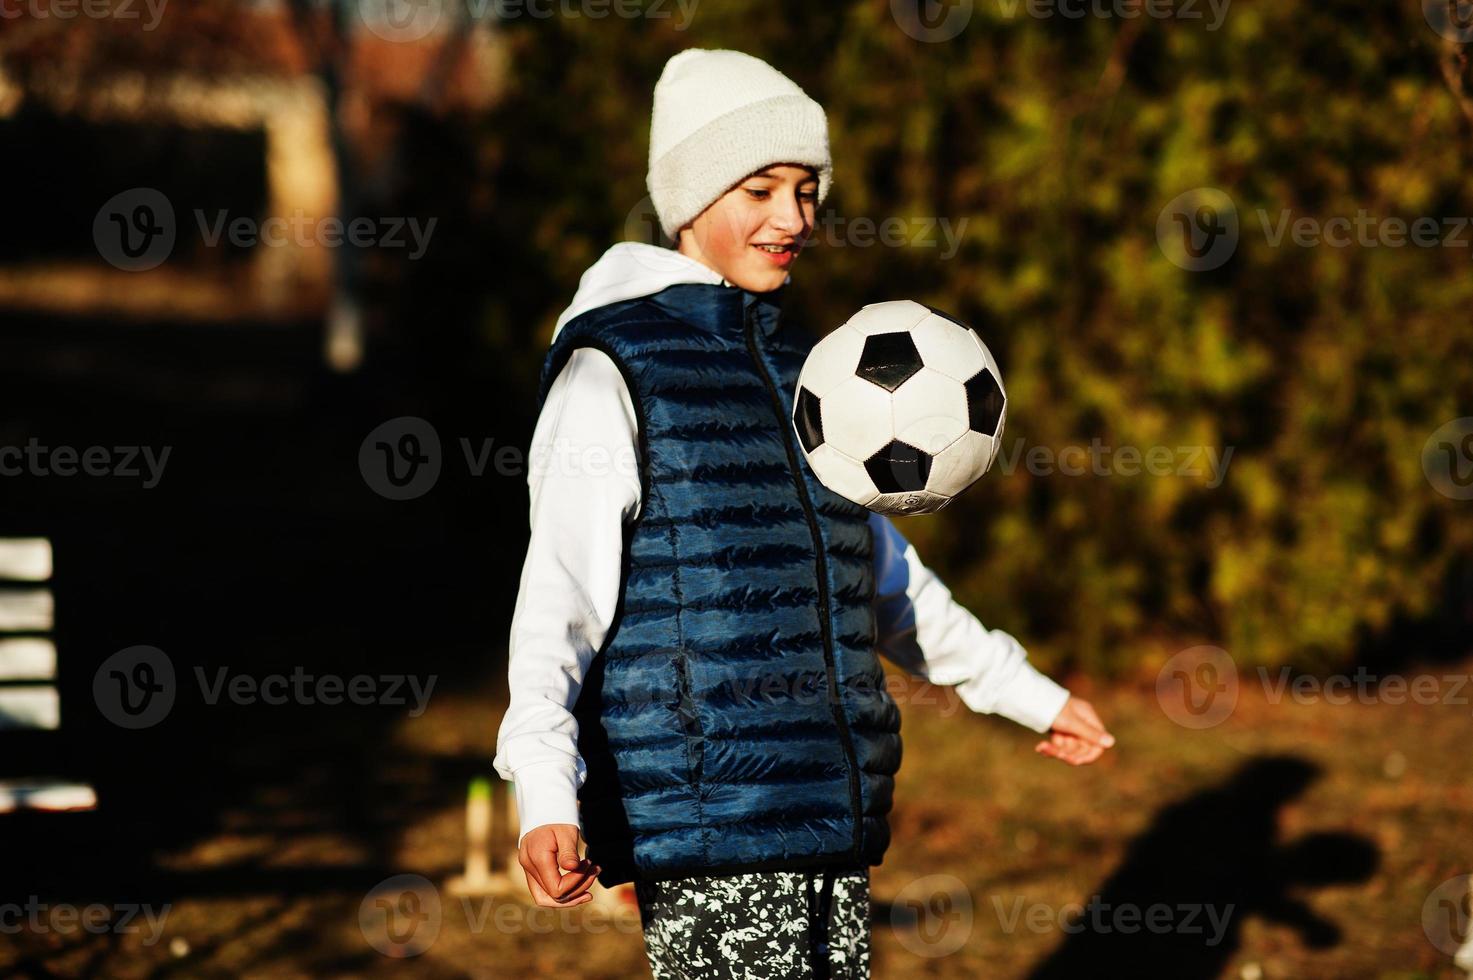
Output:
[[1215, 852]]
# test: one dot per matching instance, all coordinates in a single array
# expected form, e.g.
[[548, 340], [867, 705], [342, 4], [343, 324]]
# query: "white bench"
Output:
[[28, 696]]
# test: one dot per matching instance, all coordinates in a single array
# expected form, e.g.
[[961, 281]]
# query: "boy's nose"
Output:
[[788, 221]]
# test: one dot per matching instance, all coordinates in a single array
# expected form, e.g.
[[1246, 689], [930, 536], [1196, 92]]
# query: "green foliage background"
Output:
[[1059, 141]]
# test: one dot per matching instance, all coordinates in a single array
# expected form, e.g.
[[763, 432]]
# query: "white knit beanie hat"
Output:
[[720, 116]]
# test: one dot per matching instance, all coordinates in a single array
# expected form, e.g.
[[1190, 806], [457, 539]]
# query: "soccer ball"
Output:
[[900, 409]]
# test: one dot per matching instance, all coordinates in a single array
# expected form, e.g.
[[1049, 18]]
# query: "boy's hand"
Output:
[[557, 876], [1077, 735]]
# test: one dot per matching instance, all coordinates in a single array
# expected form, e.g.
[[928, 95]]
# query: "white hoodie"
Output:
[[584, 484]]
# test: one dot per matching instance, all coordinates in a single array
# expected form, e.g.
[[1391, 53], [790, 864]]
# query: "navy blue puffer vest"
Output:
[[736, 718]]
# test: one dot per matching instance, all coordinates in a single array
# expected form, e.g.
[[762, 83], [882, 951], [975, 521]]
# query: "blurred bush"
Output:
[[1058, 142]]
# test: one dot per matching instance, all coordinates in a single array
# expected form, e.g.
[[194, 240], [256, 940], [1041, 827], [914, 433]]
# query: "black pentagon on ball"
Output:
[[984, 402], [808, 421], [947, 316], [899, 468], [888, 359]]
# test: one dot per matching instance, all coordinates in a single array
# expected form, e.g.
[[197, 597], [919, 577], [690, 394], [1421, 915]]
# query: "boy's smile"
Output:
[[753, 233]]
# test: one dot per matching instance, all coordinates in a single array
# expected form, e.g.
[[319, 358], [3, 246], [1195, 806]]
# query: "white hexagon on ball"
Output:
[[948, 347], [856, 418], [888, 317], [844, 476], [832, 361], [930, 410], [961, 464]]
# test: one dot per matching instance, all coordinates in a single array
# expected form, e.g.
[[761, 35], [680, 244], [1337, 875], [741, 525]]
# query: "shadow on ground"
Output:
[[1206, 865]]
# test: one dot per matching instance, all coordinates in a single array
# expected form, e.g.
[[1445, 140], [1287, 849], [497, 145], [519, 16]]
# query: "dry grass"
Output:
[[1015, 831]]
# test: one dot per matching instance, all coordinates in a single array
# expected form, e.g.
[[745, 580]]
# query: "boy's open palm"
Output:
[[1077, 735], [557, 876]]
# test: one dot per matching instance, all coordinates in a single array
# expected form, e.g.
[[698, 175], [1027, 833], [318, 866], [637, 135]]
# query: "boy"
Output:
[[693, 646]]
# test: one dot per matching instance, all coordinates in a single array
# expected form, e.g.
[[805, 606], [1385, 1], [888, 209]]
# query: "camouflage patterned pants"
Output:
[[770, 925]]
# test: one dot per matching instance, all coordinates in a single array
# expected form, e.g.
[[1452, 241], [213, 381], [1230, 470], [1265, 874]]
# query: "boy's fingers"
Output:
[[567, 847], [544, 866], [542, 853], [1073, 751], [1100, 735], [540, 896], [1084, 729], [1079, 718], [1088, 713], [583, 884], [1067, 744]]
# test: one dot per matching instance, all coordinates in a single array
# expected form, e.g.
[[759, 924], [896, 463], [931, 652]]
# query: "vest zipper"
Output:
[[824, 621]]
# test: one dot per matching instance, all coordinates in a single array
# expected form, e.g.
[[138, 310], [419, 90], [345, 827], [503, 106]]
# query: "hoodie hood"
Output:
[[630, 270]]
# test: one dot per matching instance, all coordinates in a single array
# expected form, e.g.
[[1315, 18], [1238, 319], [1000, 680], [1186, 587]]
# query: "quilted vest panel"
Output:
[[736, 717]]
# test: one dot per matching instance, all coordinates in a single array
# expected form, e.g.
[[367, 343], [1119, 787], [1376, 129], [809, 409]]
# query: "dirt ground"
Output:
[[1297, 838]]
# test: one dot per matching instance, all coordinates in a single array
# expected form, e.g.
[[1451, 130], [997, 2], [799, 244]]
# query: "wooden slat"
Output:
[[25, 559], [26, 609], [24, 658], [29, 707], [45, 794]]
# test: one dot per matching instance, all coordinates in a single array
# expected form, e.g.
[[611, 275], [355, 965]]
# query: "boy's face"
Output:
[[774, 206]]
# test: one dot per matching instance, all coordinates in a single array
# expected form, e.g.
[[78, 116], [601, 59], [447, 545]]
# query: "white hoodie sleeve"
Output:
[[923, 629], [584, 482]]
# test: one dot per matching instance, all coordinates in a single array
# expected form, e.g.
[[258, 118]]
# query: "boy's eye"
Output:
[[761, 194]]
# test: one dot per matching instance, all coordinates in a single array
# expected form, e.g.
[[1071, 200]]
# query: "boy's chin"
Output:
[[761, 279]]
